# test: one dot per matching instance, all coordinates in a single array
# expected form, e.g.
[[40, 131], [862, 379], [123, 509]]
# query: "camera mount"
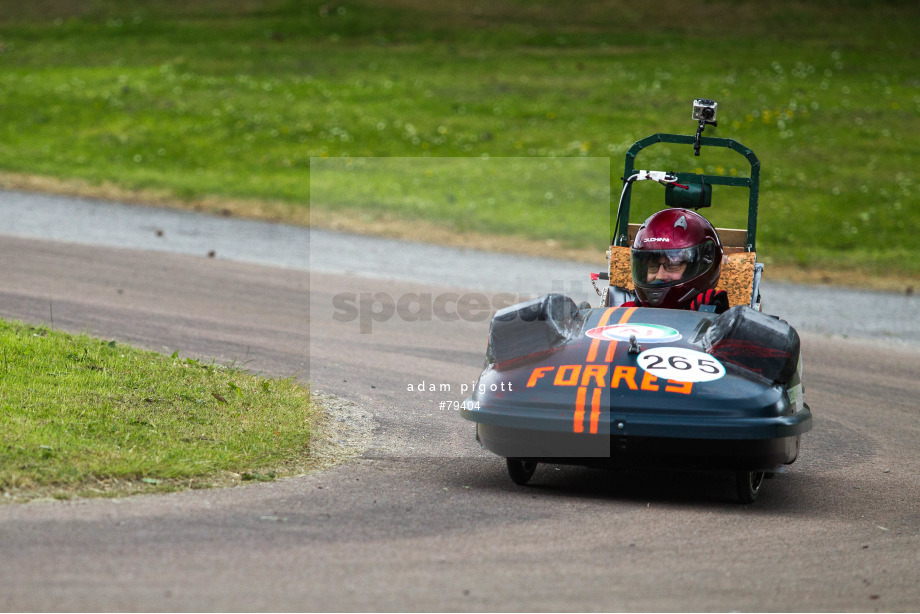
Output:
[[704, 111]]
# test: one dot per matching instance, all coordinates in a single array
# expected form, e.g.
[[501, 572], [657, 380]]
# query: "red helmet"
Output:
[[676, 255]]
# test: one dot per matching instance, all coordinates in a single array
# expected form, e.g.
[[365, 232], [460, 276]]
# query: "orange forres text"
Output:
[[602, 377]]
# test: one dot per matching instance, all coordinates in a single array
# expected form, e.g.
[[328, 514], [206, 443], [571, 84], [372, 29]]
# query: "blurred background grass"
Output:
[[231, 100]]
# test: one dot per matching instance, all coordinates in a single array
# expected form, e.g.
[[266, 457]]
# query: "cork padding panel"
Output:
[[737, 277], [621, 267]]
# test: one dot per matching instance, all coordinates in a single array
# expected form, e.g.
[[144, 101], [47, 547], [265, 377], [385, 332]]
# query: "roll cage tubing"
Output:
[[620, 217]]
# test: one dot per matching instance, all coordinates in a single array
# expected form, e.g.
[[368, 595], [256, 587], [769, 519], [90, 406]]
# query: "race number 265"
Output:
[[681, 364]]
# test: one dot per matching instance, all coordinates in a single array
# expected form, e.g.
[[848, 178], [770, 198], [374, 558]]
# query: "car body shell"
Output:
[[602, 393]]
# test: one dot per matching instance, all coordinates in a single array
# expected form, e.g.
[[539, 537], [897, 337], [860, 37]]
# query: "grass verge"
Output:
[[85, 417]]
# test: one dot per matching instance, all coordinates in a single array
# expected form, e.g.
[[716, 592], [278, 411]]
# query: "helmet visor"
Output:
[[662, 268]]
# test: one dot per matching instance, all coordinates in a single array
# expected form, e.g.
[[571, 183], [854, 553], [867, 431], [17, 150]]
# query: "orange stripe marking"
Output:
[[611, 350], [579, 425], [612, 346], [592, 351], [595, 409], [627, 314]]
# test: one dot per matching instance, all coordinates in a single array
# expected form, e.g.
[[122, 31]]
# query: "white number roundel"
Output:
[[681, 364]]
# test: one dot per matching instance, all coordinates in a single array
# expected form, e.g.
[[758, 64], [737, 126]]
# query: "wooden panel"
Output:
[[733, 237]]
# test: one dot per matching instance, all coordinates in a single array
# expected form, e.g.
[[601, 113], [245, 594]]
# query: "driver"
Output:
[[676, 261]]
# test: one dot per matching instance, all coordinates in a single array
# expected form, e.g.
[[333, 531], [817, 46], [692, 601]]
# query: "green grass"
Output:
[[531, 194], [85, 417], [234, 98]]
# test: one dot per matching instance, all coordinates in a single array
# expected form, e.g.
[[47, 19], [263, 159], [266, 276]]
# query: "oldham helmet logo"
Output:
[[644, 333], [657, 240]]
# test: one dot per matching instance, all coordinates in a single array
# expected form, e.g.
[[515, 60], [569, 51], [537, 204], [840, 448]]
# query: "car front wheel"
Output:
[[521, 470], [748, 485]]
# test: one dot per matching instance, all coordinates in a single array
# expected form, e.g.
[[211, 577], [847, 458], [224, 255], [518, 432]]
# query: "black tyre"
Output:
[[521, 470], [748, 484]]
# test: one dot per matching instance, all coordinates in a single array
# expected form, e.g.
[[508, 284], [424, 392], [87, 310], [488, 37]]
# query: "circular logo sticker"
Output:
[[644, 333], [681, 364]]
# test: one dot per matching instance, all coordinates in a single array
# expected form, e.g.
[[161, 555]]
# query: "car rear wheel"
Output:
[[748, 484], [521, 470]]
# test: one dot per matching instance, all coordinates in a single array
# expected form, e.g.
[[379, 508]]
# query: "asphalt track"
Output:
[[423, 520]]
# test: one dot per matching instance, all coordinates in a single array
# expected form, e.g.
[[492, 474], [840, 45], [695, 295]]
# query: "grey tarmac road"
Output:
[[422, 519]]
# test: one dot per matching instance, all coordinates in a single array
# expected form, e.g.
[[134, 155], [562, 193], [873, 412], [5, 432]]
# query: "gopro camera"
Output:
[[704, 111]]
